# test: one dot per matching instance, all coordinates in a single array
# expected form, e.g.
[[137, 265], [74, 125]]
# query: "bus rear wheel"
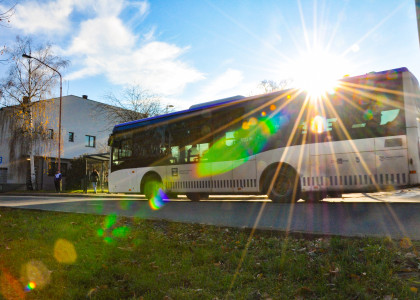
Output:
[[282, 186], [314, 197]]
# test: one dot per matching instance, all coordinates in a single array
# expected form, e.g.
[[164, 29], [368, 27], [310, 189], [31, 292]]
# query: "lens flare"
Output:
[[125, 204], [121, 232], [110, 221], [368, 115], [108, 240], [109, 231], [318, 124], [10, 287], [317, 71], [64, 252], [392, 75], [30, 286], [36, 274], [159, 200], [253, 121], [237, 147]]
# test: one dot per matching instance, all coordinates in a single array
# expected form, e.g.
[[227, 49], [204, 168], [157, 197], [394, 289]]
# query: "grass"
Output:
[[75, 256]]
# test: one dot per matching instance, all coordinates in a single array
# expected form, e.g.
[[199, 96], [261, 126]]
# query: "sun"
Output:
[[317, 71]]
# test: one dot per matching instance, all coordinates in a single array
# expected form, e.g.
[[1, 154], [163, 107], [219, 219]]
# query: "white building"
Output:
[[85, 130]]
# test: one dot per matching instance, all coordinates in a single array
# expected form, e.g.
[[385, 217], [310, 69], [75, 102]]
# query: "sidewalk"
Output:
[[77, 195]]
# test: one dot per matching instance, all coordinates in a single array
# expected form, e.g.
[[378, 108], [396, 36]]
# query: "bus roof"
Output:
[[173, 115], [221, 102]]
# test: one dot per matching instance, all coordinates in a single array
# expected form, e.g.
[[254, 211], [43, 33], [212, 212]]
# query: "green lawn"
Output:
[[51, 255]]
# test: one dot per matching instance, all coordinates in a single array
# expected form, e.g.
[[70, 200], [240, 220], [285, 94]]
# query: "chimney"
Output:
[[84, 96]]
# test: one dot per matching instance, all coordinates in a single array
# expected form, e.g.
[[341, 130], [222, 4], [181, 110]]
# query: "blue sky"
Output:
[[196, 51]]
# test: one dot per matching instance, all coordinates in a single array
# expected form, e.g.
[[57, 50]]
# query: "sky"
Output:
[[193, 51]]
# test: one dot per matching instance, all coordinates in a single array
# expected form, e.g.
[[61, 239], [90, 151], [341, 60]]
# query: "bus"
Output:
[[361, 136]]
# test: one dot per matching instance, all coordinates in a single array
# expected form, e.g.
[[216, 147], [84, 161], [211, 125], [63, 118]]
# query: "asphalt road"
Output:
[[393, 214]]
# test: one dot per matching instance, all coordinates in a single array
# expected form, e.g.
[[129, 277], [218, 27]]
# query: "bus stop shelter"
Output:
[[92, 161]]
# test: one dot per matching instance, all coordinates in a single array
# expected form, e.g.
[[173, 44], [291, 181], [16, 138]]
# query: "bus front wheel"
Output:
[[282, 186], [195, 197], [151, 187]]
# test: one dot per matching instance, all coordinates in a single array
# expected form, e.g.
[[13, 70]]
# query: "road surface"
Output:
[[394, 214]]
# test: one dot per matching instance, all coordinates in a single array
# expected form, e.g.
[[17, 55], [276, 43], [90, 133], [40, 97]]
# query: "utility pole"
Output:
[[418, 17]]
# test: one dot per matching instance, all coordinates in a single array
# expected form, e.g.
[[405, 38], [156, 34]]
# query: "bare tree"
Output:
[[133, 103], [6, 15], [27, 82], [270, 86]]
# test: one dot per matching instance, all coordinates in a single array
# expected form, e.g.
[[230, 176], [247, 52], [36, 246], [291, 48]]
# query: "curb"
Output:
[[76, 195]]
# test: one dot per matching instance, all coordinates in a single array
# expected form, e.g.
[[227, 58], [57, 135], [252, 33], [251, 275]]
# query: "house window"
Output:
[[3, 175], [71, 136], [51, 134], [90, 141]]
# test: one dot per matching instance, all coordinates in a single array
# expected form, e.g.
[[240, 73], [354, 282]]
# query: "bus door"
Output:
[[228, 152], [189, 171], [189, 140], [222, 157]]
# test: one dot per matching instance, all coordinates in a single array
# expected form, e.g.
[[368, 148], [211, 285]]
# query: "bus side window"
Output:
[[174, 158], [230, 138], [390, 122], [388, 116], [182, 156]]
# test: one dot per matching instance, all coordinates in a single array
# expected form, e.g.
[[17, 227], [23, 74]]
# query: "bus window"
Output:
[[389, 116], [195, 152], [126, 149], [230, 138], [369, 113], [202, 149], [227, 124], [121, 151], [174, 159]]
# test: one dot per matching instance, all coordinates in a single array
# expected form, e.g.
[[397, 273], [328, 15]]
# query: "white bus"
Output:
[[362, 136]]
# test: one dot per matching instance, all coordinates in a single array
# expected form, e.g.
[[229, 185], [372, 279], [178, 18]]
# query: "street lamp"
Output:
[[59, 111], [168, 106]]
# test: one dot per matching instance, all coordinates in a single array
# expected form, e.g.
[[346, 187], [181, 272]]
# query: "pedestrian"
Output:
[[94, 177], [57, 181]]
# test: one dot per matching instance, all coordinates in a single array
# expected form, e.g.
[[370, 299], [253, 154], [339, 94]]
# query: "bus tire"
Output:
[[314, 197], [195, 197], [151, 187], [335, 195], [204, 196], [172, 195], [282, 185]]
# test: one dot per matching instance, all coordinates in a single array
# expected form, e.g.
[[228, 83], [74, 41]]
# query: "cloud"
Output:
[[54, 17], [33, 17], [102, 36], [105, 45], [224, 85], [101, 43]]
